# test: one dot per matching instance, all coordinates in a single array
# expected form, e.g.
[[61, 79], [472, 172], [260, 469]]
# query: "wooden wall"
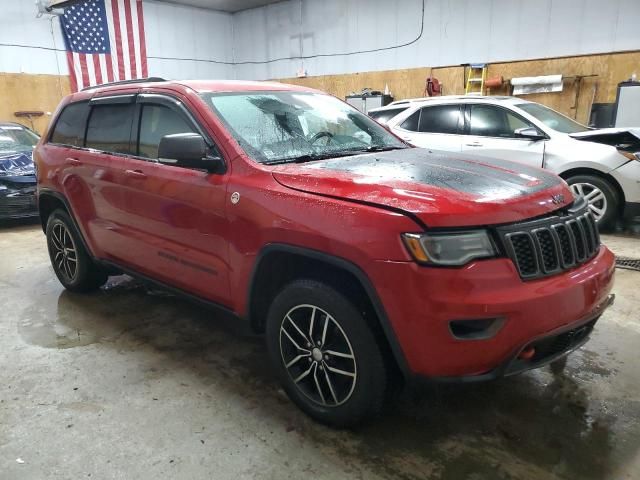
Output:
[[43, 92], [610, 68], [21, 91]]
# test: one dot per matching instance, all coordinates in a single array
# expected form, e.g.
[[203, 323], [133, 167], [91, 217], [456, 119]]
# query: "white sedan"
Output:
[[602, 165]]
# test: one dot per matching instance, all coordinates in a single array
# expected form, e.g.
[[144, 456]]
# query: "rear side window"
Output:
[[383, 116], [440, 119], [156, 122], [69, 129], [109, 128], [411, 123]]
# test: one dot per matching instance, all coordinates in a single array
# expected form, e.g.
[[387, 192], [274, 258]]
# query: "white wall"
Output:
[[170, 30], [19, 25], [174, 31], [455, 32]]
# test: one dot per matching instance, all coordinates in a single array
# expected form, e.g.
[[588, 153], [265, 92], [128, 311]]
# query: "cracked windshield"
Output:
[[284, 127]]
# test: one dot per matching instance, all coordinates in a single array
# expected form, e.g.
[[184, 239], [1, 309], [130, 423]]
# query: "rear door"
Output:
[[84, 175], [490, 133], [436, 127], [175, 217], [107, 149]]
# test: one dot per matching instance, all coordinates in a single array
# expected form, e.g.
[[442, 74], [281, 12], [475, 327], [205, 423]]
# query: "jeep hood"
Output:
[[439, 190]]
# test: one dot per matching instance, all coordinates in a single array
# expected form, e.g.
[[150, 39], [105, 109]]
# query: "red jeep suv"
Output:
[[364, 261]]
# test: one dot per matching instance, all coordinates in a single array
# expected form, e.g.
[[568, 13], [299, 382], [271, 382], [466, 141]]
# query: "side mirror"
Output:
[[188, 150], [530, 133]]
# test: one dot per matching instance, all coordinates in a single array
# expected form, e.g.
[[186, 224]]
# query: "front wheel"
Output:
[[71, 263], [325, 355], [599, 194]]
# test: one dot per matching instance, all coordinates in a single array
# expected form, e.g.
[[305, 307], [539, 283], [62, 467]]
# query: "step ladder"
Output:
[[476, 78]]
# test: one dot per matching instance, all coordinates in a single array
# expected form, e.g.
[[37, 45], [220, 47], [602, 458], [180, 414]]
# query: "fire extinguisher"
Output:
[[432, 87]]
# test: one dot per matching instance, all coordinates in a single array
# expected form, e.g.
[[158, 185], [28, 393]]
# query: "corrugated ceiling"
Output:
[[224, 5]]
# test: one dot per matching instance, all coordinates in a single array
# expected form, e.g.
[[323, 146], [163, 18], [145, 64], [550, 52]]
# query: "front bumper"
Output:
[[548, 348], [18, 197], [18, 206], [421, 302]]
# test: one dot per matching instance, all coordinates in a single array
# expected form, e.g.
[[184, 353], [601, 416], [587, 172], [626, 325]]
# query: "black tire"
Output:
[[558, 366], [343, 401], [66, 249], [612, 201]]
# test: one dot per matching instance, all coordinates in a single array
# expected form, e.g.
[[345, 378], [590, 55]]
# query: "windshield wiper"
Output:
[[310, 157], [382, 148]]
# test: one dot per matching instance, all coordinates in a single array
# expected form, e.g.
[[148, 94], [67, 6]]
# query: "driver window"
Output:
[[157, 121]]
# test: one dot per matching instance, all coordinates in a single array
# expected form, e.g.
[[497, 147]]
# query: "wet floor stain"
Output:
[[71, 325], [532, 427], [54, 335]]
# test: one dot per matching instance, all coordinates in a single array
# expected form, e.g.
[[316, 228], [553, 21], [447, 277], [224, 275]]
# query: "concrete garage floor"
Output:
[[131, 384]]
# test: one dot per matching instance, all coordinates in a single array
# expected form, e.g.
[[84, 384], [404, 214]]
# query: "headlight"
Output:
[[456, 248], [631, 156]]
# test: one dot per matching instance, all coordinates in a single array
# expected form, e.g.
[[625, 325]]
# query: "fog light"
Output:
[[476, 329], [527, 353]]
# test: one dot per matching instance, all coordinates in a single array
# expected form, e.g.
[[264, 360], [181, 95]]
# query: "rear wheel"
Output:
[[600, 195], [325, 354], [71, 262]]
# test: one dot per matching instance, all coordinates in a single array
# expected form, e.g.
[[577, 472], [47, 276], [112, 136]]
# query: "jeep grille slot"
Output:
[[524, 253], [551, 245]]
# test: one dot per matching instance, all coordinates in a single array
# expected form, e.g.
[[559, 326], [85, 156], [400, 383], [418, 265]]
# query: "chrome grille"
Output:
[[550, 245]]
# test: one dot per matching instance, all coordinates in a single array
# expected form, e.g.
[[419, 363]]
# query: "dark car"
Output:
[[17, 174]]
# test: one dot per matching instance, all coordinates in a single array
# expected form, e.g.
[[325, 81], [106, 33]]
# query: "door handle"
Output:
[[474, 144], [72, 161], [139, 174]]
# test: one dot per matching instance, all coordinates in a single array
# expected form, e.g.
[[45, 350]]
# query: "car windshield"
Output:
[[14, 138], [552, 119], [281, 126]]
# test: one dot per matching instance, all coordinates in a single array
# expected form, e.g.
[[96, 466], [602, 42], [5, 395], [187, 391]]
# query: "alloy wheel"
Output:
[[65, 256], [317, 355], [595, 198]]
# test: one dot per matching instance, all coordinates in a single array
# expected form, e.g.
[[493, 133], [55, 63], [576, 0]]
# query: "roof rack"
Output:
[[125, 82]]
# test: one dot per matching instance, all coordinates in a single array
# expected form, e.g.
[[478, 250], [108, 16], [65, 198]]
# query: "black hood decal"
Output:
[[473, 176]]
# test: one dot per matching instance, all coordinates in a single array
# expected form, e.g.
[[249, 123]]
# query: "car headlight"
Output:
[[630, 155], [456, 248]]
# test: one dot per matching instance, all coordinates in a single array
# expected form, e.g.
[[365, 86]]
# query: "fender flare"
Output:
[[349, 267], [45, 192]]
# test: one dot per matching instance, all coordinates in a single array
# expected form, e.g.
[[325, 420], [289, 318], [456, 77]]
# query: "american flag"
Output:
[[104, 42]]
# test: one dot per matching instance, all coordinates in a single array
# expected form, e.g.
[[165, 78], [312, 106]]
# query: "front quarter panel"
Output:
[[628, 176], [563, 153], [267, 212]]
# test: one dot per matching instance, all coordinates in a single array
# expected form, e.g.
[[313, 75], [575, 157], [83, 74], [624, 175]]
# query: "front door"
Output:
[[176, 214], [490, 134]]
